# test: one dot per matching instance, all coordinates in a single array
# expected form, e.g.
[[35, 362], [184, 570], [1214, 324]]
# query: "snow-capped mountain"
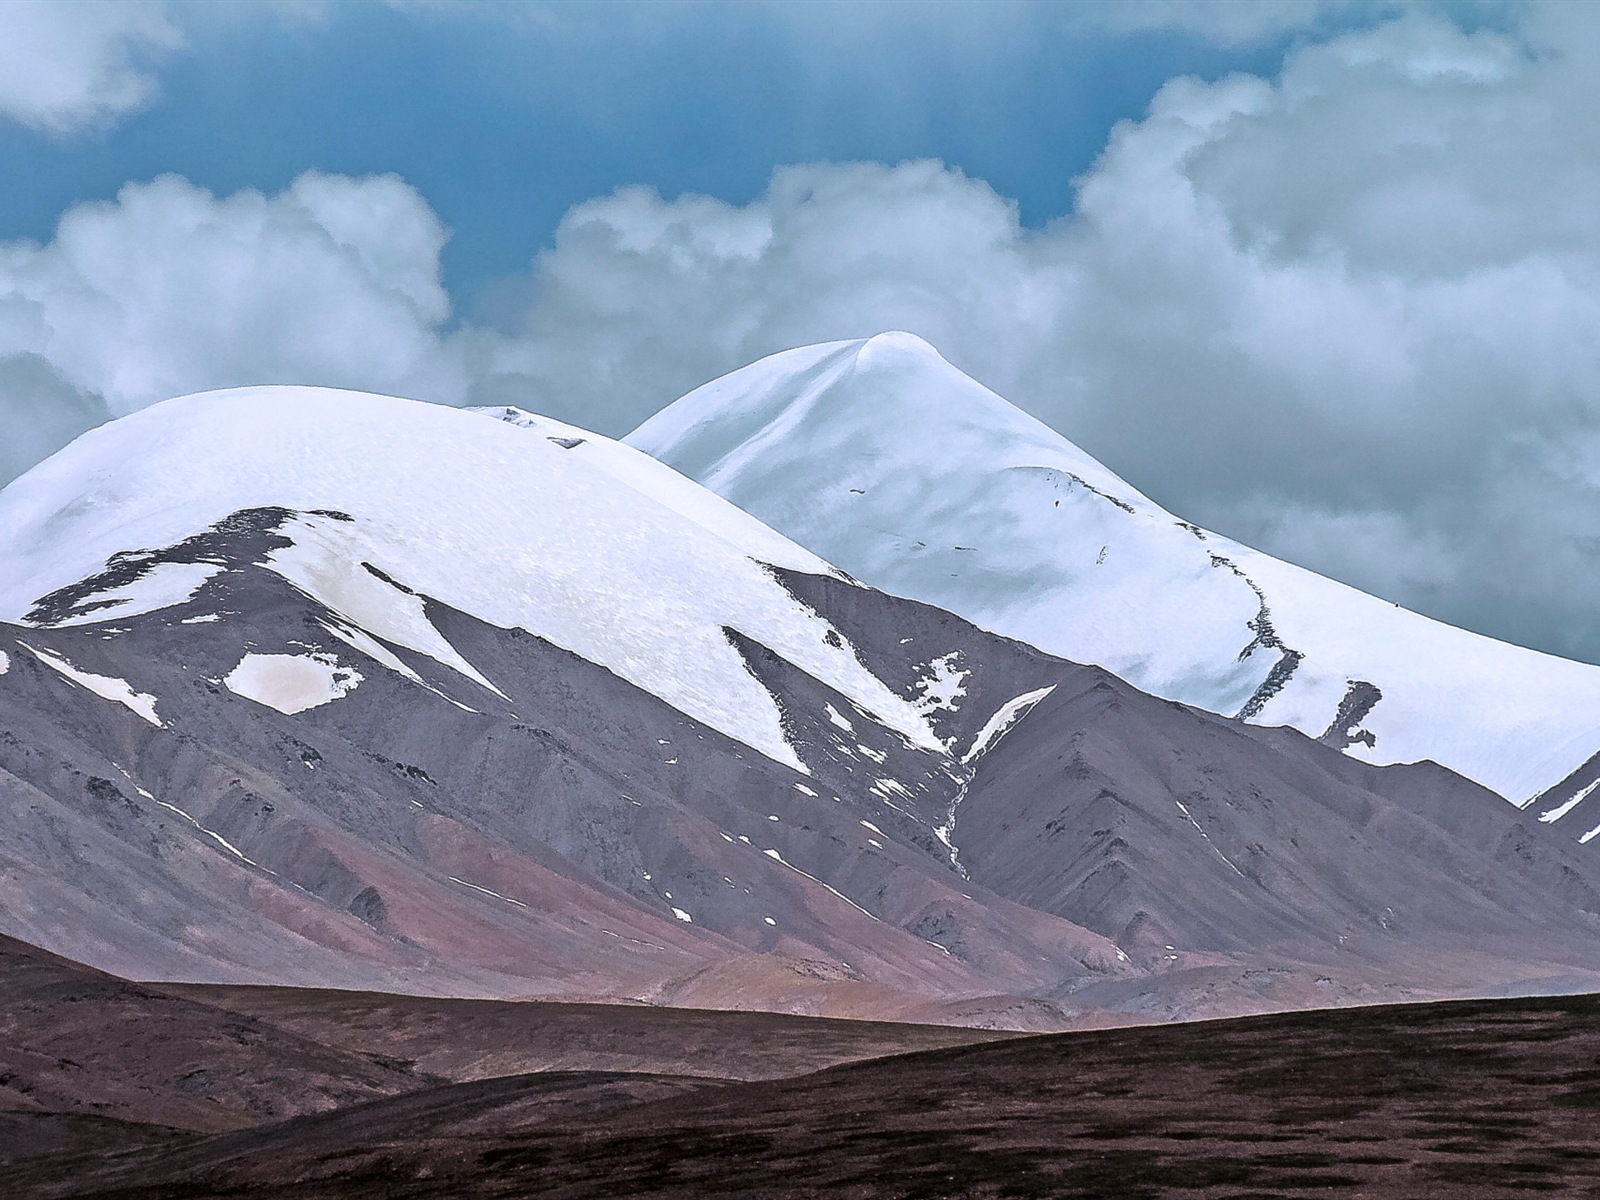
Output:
[[520, 707], [313, 687], [542, 517], [895, 466]]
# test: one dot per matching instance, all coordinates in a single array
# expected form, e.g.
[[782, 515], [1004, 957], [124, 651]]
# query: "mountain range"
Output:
[[840, 687]]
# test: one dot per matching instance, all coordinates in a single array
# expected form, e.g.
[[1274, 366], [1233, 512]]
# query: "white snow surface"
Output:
[[1561, 810], [107, 687], [892, 464], [598, 548], [1003, 718], [291, 683], [942, 687], [161, 586]]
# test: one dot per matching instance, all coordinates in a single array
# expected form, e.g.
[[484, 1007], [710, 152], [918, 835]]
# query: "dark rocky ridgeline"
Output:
[[571, 835]]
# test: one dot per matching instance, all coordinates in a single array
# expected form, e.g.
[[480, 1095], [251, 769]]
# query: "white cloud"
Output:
[[68, 66], [170, 290], [39, 411]]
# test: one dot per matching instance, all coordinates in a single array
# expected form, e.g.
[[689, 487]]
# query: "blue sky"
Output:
[[1323, 275], [504, 122]]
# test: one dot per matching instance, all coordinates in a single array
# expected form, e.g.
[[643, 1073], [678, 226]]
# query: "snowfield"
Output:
[[571, 536], [890, 463]]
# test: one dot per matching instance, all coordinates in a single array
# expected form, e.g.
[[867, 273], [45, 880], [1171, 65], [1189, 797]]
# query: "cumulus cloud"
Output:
[[40, 412], [170, 289], [65, 67]]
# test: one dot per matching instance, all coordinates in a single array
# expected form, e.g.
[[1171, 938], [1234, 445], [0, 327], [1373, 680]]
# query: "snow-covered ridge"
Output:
[[892, 464], [530, 525]]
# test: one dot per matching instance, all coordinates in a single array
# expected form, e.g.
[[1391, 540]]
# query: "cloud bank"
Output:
[[1350, 314], [171, 290]]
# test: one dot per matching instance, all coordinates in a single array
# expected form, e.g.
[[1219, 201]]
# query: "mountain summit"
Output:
[[895, 466]]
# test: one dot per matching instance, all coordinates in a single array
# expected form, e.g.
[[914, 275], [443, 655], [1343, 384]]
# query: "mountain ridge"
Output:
[[888, 462]]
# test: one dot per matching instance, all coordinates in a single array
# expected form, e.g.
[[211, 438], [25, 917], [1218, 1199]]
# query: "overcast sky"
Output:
[[1322, 276]]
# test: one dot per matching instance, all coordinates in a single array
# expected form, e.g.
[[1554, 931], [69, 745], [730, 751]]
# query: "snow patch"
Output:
[[107, 687], [942, 686], [210, 833], [161, 586], [1184, 809], [329, 562], [1555, 814], [359, 639], [682, 916], [487, 892], [891, 787], [800, 787], [291, 683], [839, 718], [1007, 715], [776, 857]]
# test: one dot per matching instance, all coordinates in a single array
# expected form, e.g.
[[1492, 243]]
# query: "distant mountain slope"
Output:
[[887, 461]]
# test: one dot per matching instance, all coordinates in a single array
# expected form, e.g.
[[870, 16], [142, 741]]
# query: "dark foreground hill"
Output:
[[1467, 1098], [92, 1065]]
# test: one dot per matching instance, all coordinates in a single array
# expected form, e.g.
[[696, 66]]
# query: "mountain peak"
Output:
[[897, 342], [899, 468], [569, 535], [868, 400]]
